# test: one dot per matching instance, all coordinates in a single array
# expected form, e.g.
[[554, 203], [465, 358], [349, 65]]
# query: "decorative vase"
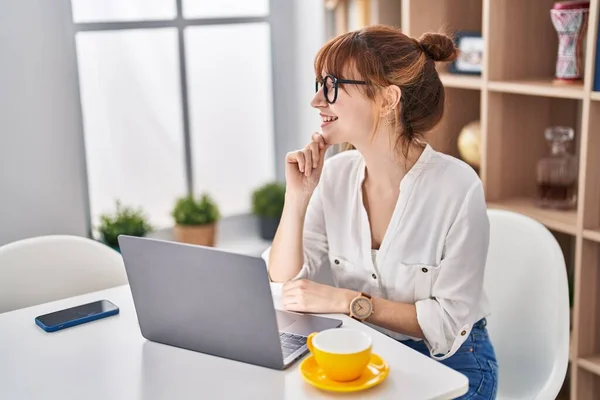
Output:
[[570, 19], [203, 235], [268, 227], [469, 144], [557, 172]]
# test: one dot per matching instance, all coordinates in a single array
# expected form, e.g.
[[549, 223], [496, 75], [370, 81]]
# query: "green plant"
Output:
[[268, 199], [191, 211], [125, 221]]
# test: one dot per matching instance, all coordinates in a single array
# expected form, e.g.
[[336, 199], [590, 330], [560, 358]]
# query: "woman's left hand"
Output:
[[304, 295]]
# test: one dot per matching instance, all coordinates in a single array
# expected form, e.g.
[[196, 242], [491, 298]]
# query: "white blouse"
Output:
[[433, 253]]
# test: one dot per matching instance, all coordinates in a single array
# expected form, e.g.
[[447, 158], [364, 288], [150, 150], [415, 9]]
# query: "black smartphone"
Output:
[[77, 315]]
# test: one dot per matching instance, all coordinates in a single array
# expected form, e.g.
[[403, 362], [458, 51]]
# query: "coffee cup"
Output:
[[343, 354]]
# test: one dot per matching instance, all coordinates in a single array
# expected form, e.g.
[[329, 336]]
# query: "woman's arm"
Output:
[[307, 296], [286, 256], [397, 317], [300, 240]]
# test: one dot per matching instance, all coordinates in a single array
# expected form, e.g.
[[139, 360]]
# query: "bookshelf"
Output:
[[515, 98]]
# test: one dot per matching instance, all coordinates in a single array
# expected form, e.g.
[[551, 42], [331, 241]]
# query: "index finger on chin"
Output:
[[317, 137]]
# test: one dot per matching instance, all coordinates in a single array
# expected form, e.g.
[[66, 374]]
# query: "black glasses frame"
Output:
[[335, 81]]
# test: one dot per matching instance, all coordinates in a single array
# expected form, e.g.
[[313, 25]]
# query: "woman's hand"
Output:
[[303, 167], [307, 296]]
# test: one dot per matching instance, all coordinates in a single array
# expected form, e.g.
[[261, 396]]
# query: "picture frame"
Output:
[[470, 57]]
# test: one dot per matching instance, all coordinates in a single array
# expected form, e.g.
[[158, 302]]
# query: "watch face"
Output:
[[361, 307]]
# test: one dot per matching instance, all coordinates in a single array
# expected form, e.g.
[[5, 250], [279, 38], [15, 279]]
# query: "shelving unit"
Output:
[[515, 99], [461, 81], [537, 87]]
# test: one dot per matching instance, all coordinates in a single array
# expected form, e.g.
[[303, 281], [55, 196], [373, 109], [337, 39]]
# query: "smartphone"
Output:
[[77, 315]]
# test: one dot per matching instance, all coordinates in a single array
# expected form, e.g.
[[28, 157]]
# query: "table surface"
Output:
[[109, 359]]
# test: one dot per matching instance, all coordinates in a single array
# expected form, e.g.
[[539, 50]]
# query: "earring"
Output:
[[390, 118]]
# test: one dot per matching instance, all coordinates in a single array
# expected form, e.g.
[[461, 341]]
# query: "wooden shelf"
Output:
[[538, 87], [560, 221], [591, 364], [461, 81], [515, 100], [592, 234]]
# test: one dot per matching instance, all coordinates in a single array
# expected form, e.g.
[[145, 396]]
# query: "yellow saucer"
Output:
[[375, 373]]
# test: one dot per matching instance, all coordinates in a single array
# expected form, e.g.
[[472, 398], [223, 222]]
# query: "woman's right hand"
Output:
[[303, 167]]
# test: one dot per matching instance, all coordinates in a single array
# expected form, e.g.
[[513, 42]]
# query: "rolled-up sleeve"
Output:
[[314, 238], [448, 316]]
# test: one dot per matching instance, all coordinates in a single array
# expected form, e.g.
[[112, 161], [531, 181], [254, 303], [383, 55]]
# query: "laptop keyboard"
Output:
[[290, 343]]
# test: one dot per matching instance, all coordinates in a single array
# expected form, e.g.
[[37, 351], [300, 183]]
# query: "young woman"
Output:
[[402, 228]]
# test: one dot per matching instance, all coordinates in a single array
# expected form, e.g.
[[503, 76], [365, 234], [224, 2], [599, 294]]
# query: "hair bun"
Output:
[[438, 46]]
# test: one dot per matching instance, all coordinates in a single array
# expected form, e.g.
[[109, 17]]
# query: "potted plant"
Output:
[[267, 204], [195, 220], [125, 220]]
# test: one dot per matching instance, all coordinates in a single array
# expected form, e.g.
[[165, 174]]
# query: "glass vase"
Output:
[[557, 172]]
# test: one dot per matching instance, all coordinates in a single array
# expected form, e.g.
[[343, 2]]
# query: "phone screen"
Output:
[[73, 313]]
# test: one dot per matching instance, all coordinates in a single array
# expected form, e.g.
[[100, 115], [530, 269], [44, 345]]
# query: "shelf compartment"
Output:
[[450, 17], [591, 364], [515, 143], [560, 221], [462, 106], [523, 40], [595, 95], [435, 16], [592, 234], [588, 385], [587, 318], [538, 87], [458, 81], [386, 12], [590, 177]]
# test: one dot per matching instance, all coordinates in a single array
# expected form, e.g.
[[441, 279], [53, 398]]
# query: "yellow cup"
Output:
[[342, 353]]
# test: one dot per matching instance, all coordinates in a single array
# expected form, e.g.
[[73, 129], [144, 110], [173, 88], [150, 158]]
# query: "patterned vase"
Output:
[[570, 20]]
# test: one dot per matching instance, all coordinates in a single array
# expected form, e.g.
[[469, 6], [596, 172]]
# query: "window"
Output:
[[225, 8], [123, 10], [231, 111], [168, 110], [131, 102]]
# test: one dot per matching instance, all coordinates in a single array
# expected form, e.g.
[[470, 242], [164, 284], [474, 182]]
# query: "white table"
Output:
[[109, 359]]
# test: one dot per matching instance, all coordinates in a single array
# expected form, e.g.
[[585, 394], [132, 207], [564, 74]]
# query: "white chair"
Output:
[[526, 282], [48, 268]]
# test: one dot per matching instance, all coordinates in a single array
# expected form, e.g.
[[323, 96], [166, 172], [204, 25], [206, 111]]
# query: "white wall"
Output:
[[42, 178], [309, 37], [298, 35]]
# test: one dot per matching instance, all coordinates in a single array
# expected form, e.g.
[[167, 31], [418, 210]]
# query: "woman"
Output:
[[402, 227]]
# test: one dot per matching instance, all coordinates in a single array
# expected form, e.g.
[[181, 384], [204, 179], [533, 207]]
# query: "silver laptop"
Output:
[[214, 302]]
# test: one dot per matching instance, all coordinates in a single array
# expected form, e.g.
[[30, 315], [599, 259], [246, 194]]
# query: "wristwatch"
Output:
[[361, 307]]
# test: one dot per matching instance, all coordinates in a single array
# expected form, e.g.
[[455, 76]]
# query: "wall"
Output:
[[310, 36], [42, 170]]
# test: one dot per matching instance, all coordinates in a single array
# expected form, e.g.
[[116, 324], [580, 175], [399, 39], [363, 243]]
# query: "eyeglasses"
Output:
[[330, 86]]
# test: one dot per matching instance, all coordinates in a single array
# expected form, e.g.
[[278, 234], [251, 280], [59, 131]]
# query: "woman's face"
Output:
[[350, 119]]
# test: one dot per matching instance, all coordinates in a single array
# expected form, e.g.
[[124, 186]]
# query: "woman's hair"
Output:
[[383, 56]]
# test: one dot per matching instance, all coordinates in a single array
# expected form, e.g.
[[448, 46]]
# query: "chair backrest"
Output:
[[526, 282], [48, 268]]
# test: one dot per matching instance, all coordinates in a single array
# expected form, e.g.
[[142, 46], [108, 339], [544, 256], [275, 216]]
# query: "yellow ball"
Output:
[[469, 143]]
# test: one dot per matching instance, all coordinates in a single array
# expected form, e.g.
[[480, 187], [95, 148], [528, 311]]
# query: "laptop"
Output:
[[214, 302]]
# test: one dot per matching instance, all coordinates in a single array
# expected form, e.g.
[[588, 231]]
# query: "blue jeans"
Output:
[[475, 359]]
